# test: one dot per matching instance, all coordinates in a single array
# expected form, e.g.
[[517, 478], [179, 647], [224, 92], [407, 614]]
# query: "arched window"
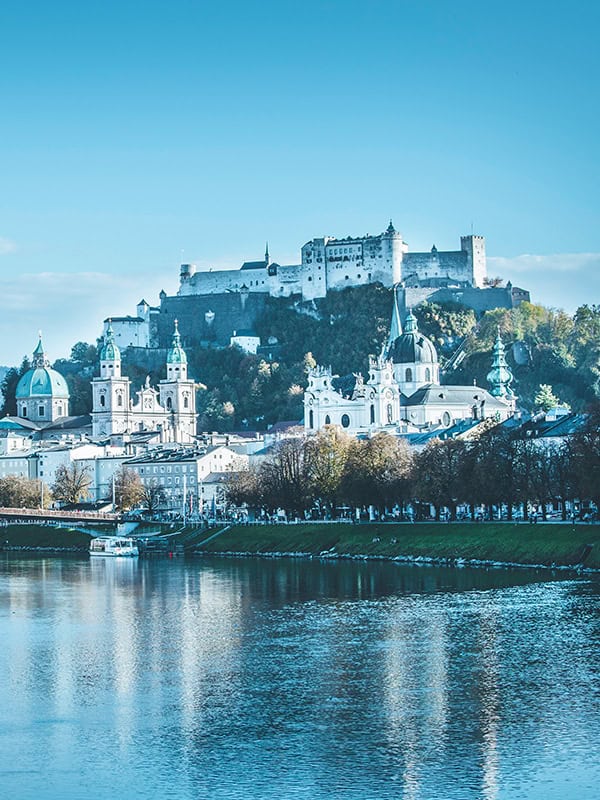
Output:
[[408, 375], [345, 421], [119, 399], [427, 375], [186, 402], [327, 420], [169, 404], [446, 420], [102, 400], [390, 413], [372, 413]]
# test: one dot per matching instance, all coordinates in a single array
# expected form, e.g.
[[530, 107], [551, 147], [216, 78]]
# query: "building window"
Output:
[[345, 421], [119, 399], [427, 375], [41, 411], [327, 419], [102, 400], [311, 417], [169, 404], [186, 402], [390, 413], [408, 374], [372, 414], [446, 419]]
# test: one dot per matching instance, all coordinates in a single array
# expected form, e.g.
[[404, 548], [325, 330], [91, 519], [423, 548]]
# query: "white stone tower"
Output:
[[110, 392], [177, 393]]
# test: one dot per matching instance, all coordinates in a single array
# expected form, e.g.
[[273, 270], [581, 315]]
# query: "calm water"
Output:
[[259, 679]]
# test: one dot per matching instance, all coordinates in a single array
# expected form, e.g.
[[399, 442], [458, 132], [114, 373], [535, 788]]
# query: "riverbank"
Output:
[[549, 544], [51, 538]]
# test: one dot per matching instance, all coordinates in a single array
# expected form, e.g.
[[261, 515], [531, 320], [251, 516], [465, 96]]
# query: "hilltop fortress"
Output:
[[330, 263], [219, 307]]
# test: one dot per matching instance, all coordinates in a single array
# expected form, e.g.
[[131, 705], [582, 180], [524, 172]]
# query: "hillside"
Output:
[[238, 390]]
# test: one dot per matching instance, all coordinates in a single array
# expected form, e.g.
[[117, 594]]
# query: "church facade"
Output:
[[403, 392], [169, 409]]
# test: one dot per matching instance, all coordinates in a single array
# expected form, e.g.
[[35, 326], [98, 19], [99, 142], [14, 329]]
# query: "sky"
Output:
[[134, 137]]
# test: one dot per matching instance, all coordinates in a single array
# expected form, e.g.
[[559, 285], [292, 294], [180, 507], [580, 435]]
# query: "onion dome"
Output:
[[176, 354], [411, 347], [41, 380], [110, 351], [500, 377]]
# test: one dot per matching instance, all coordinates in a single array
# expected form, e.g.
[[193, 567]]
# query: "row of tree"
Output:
[[497, 468], [72, 485]]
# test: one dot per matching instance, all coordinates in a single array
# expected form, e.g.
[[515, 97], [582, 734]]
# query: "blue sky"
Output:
[[134, 136]]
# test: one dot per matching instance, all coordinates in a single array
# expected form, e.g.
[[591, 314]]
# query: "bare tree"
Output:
[[72, 484]]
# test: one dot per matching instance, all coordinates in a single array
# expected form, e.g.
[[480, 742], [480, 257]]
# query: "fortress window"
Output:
[[345, 421]]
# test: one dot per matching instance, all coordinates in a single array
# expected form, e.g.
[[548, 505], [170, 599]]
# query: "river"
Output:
[[232, 678]]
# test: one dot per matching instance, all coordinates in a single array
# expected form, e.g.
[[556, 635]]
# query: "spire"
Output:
[[176, 357], [267, 257], [500, 377], [110, 355], [39, 357], [396, 324]]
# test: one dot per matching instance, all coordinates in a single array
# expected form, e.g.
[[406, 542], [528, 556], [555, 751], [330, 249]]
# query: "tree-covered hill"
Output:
[[237, 390]]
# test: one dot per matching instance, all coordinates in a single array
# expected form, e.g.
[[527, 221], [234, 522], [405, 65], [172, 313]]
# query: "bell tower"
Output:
[[177, 393]]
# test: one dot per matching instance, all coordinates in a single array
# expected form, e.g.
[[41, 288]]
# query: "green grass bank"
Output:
[[522, 543], [46, 536]]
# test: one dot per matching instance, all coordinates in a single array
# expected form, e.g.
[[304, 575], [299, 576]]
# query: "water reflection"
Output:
[[275, 679]]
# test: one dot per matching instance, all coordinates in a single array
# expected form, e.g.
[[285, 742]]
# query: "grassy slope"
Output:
[[521, 543], [43, 536]]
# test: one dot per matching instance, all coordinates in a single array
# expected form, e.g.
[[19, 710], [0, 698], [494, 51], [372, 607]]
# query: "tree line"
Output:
[[498, 468]]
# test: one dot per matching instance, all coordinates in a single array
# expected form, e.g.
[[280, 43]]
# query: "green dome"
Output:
[[110, 351], [42, 382], [176, 354]]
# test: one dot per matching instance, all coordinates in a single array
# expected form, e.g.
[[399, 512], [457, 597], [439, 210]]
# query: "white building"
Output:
[[184, 471], [330, 263], [403, 392], [132, 331]]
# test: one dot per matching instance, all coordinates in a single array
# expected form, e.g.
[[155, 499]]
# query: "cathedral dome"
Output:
[[41, 380], [411, 347]]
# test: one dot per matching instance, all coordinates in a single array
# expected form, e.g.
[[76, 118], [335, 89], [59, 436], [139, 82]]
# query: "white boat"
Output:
[[113, 546]]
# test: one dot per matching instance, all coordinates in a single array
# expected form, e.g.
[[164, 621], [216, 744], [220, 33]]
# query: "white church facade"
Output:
[[169, 409], [403, 392]]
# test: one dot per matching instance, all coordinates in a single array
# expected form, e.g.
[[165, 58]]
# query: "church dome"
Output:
[[41, 380], [411, 347]]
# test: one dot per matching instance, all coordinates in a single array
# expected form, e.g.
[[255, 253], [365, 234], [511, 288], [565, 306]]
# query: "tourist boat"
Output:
[[113, 546]]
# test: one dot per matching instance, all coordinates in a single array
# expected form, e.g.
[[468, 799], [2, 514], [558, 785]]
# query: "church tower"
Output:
[[177, 393], [383, 395], [110, 392]]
